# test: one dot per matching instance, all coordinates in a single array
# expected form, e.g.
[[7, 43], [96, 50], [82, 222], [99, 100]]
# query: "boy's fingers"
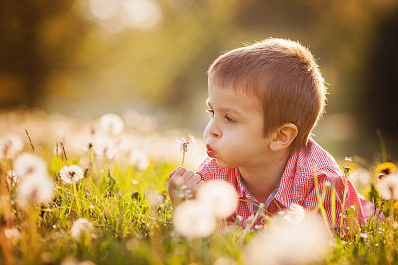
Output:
[[173, 172], [188, 174], [196, 178], [180, 171]]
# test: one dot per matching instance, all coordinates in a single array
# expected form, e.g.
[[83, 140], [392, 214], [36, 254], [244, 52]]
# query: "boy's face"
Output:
[[235, 135]]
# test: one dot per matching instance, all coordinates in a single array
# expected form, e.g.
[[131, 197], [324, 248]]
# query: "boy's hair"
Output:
[[283, 75]]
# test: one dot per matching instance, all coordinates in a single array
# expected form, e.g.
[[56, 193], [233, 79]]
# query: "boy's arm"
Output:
[[180, 181]]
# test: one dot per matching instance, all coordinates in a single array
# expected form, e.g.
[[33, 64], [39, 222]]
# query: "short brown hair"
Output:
[[283, 75]]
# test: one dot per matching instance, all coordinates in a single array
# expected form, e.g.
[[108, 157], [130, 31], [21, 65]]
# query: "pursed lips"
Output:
[[210, 151]]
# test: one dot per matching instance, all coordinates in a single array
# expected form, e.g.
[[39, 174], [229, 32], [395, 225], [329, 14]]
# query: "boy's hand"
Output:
[[182, 177]]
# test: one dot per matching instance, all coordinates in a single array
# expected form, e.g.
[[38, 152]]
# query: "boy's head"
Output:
[[283, 75]]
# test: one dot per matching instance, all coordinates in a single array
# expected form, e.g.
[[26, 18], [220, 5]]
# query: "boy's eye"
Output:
[[229, 118], [211, 112]]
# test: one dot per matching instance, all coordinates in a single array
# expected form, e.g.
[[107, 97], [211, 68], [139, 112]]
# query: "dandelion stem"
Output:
[[183, 158], [346, 174], [30, 140], [320, 201], [77, 199]]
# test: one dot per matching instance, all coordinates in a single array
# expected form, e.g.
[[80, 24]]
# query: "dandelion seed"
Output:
[[193, 220], [219, 196], [282, 243], [388, 187], [82, 227], [10, 146], [35, 190], [112, 124], [71, 174], [27, 165], [139, 160]]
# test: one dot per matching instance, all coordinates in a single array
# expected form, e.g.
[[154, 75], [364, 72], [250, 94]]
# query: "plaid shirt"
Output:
[[296, 186]]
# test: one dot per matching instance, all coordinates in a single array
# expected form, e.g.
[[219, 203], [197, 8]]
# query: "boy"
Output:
[[264, 100]]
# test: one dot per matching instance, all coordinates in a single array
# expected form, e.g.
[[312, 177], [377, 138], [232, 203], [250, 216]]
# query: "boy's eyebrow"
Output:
[[223, 109]]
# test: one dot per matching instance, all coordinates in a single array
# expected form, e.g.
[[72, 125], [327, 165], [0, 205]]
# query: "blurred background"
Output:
[[84, 58]]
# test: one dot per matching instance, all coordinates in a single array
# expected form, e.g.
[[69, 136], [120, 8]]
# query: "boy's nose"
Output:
[[213, 130]]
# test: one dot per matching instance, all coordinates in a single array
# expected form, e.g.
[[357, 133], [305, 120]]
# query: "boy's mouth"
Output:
[[210, 151]]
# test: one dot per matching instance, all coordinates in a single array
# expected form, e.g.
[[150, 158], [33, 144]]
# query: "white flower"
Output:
[[388, 187], [295, 214], [193, 220], [71, 174], [80, 227], [35, 190], [29, 165], [139, 160], [105, 147], [112, 124], [219, 196], [183, 143], [285, 243], [10, 145]]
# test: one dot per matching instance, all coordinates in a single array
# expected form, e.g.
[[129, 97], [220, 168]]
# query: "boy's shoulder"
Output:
[[314, 160]]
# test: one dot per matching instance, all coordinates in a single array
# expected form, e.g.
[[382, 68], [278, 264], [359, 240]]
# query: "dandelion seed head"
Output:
[[27, 165], [271, 245], [35, 190], [219, 196], [81, 227], [112, 124], [139, 160], [360, 176], [183, 143], [385, 168], [70, 174], [154, 198], [295, 214], [192, 219], [105, 147], [388, 187], [10, 145]]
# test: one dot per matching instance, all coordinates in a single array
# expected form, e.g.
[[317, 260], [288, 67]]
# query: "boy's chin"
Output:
[[223, 164]]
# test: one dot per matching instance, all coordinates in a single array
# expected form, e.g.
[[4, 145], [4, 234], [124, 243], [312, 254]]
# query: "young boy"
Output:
[[264, 100]]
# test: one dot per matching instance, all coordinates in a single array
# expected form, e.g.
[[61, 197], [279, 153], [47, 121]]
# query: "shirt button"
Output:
[[262, 221]]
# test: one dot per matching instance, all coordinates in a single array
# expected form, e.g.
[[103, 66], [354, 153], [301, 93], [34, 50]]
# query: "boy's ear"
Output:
[[283, 136]]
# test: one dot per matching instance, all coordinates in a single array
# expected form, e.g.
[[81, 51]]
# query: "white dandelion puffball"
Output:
[[112, 124], [139, 160], [105, 147], [80, 227], [295, 214], [283, 242], [193, 220], [388, 187], [10, 145], [29, 165], [35, 190], [71, 174], [219, 196]]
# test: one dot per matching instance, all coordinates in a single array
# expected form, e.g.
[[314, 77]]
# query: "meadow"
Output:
[[95, 192]]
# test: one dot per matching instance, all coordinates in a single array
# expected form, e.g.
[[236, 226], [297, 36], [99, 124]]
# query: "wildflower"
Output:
[[35, 190], [10, 145], [193, 220], [284, 242], [388, 187], [112, 124], [295, 214], [360, 177], [81, 227], [385, 169], [182, 144], [105, 147], [71, 174], [139, 160], [219, 196], [29, 164]]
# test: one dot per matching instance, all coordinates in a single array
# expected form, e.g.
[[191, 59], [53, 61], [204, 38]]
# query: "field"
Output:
[[95, 192]]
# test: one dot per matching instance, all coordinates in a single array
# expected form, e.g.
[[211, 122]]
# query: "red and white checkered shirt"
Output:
[[296, 186]]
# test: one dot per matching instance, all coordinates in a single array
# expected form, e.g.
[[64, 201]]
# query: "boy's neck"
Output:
[[263, 179]]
